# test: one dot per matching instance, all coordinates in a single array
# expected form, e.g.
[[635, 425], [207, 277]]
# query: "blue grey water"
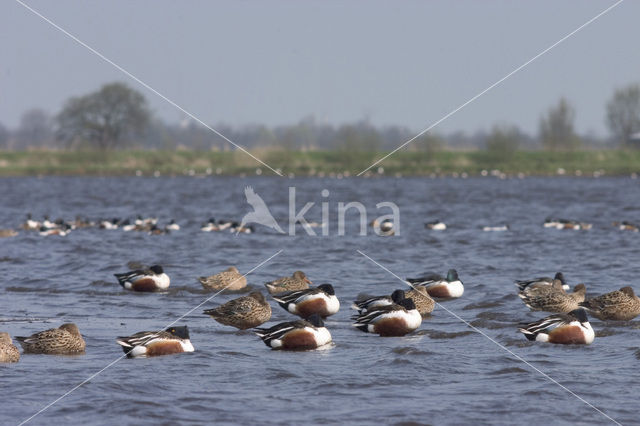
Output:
[[445, 373]]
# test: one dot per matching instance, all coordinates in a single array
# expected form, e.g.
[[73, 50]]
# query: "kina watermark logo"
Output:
[[382, 224]]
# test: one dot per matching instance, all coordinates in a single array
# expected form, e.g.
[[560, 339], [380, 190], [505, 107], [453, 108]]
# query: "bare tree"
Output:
[[623, 113], [35, 129], [556, 128], [105, 118]]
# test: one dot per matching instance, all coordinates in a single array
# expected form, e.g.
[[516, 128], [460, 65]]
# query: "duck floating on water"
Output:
[[173, 340], [572, 328], [146, 280], [296, 335]]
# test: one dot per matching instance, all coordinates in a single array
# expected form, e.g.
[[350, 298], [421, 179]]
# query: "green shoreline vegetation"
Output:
[[318, 163], [113, 132]]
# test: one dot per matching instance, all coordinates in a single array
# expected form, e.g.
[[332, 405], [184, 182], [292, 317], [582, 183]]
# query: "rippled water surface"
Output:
[[445, 373]]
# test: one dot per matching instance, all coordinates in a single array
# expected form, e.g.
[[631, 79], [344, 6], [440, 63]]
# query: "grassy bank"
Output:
[[612, 162]]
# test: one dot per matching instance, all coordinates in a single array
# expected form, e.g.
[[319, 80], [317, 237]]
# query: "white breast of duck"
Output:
[[162, 281]]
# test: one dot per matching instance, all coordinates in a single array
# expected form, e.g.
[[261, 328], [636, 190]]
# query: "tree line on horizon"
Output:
[[118, 117]]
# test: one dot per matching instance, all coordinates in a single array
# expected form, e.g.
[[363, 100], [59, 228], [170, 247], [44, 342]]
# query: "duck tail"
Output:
[[531, 336], [361, 327], [122, 278]]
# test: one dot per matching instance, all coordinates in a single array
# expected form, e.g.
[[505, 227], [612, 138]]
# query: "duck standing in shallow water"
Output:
[[319, 300], [296, 335], [619, 305], [8, 351], [567, 329], [244, 312], [64, 340], [391, 320], [298, 281], [152, 279], [173, 340], [438, 286], [230, 279]]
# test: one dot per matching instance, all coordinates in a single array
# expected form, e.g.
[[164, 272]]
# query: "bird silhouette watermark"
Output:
[[261, 215]]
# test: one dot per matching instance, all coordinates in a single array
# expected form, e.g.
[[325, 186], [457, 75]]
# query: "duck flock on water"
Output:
[[150, 225], [396, 314]]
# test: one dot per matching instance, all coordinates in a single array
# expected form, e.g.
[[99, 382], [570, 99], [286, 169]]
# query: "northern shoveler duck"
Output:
[[209, 226], [173, 340], [436, 225], [571, 328], [567, 224], [319, 300], [173, 226], [225, 224], [148, 220], [438, 286], [230, 279], [296, 335], [152, 279], [555, 299], [499, 228], [109, 223], [397, 319], [63, 231], [385, 228], [366, 303], [626, 226], [551, 222], [298, 281], [30, 224], [6, 233], [619, 305], [127, 226], [64, 340], [155, 230], [47, 223], [541, 282], [8, 351], [420, 296], [244, 312], [81, 222], [241, 229]]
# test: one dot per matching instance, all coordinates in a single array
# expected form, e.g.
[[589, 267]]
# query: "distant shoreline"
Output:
[[319, 163]]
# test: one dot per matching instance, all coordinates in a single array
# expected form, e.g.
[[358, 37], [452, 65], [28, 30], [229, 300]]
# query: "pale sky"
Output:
[[275, 62]]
